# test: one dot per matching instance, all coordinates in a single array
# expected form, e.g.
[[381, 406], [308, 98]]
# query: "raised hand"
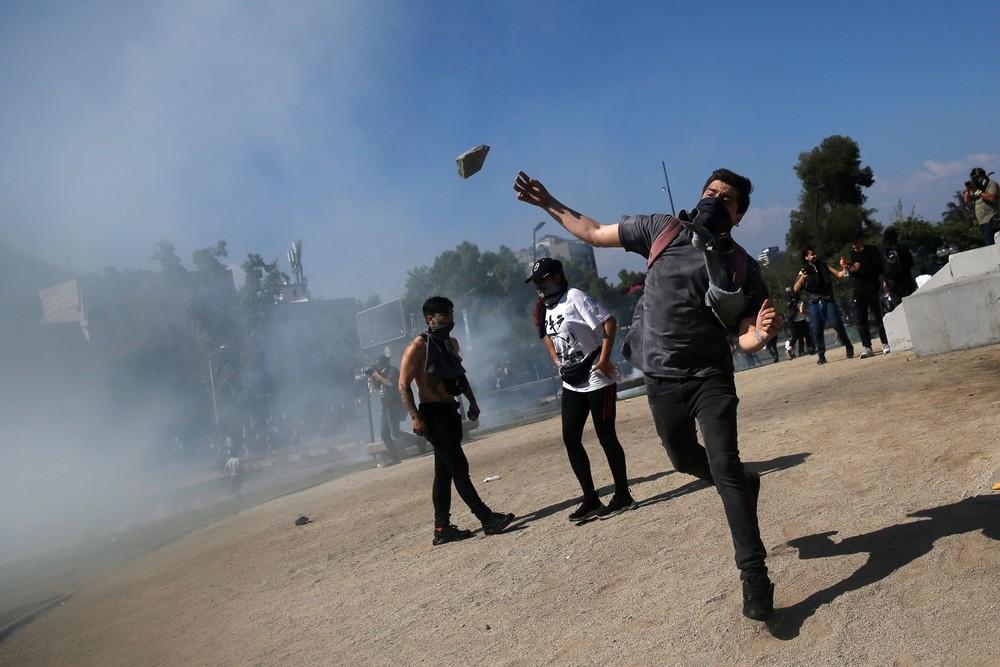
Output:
[[531, 191]]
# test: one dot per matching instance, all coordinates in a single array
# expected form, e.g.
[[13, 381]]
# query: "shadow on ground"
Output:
[[888, 549]]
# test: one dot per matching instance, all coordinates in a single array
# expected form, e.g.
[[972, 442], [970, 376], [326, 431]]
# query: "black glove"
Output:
[[714, 216]]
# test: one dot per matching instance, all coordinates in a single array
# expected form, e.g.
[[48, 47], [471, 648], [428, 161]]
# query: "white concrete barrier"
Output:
[[957, 309]]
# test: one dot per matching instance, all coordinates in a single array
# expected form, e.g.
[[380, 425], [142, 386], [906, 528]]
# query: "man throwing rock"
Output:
[[682, 345]]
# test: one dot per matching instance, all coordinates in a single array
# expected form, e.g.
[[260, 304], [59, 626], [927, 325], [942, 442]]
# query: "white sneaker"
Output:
[[885, 349], [867, 352]]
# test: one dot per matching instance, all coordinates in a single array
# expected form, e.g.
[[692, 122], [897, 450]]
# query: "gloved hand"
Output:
[[714, 216]]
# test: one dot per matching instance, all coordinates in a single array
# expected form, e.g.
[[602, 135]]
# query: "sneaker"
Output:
[[385, 462], [452, 533], [821, 360], [885, 349], [618, 505], [496, 523], [588, 509], [866, 353], [758, 598], [850, 353]]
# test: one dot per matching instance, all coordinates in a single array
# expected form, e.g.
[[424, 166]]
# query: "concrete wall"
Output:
[[958, 308]]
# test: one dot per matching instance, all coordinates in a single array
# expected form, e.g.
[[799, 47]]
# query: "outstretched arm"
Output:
[[843, 273], [586, 229]]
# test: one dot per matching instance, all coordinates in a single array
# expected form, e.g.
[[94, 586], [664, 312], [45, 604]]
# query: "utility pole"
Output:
[[534, 242], [667, 188]]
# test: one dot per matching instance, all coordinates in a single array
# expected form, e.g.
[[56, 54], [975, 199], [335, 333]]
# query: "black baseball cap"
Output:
[[544, 267]]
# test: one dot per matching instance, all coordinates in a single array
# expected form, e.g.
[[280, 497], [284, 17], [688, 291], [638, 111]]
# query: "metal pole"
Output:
[[534, 243], [667, 189], [371, 421], [215, 408]]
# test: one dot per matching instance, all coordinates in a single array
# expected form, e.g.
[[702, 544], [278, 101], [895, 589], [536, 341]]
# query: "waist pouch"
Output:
[[579, 372]]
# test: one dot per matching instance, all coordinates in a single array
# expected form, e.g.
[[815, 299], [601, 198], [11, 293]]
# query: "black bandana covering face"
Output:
[[550, 294], [441, 332]]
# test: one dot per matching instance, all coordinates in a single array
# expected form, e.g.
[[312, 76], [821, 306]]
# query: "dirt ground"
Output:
[[875, 507]]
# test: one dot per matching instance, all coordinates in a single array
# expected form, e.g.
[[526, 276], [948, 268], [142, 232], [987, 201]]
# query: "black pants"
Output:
[[801, 338], [601, 405], [863, 303], [772, 348], [390, 429], [676, 403], [443, 424]]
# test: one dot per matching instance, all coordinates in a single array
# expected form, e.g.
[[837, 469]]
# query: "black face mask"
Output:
[[440, 331], [713, 214], [550, 294]]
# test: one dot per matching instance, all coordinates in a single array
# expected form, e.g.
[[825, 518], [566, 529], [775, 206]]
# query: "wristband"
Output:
[[757, 336]]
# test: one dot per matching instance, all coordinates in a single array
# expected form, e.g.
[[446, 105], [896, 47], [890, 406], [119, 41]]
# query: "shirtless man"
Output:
[[432, 361]]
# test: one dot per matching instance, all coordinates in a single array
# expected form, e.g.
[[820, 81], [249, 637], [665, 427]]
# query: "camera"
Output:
[[970, 185], [364, 373]]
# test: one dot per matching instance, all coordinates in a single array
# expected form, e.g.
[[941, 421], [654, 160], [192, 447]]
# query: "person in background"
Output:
[[815, 279], [800, 340], [772, 349], [579, 334], [866, 270], [982, 191], [384, 380], [234, 472], [432, 362], [897, 267]]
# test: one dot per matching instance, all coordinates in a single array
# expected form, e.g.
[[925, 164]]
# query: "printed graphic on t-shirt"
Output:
[[567, 345]]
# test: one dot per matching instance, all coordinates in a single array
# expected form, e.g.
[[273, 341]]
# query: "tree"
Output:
[[492, 300], [959, 226], [165, 252], [831, 203], [258, 298]]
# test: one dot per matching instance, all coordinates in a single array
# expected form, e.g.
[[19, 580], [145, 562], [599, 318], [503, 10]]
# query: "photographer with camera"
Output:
[[984, 192], [383, 378]]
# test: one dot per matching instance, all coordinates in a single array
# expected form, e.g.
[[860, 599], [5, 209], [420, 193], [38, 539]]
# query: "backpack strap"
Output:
[[670, 233], [666, 236], [742, 262]]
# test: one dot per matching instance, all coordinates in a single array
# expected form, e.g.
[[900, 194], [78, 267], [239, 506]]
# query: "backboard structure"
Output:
[[382, 324]]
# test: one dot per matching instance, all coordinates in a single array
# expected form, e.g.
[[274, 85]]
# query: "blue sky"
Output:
[[338, 123]]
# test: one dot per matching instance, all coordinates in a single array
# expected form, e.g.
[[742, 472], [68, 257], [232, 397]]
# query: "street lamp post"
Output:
[[534, 243], [211, 380]]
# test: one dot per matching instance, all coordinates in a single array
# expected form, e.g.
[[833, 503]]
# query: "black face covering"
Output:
[[713, 214], [441, 332], [442, 359], [550, 294]]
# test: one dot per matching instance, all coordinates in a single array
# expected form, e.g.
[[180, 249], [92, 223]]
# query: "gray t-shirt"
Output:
[[682, 336]]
